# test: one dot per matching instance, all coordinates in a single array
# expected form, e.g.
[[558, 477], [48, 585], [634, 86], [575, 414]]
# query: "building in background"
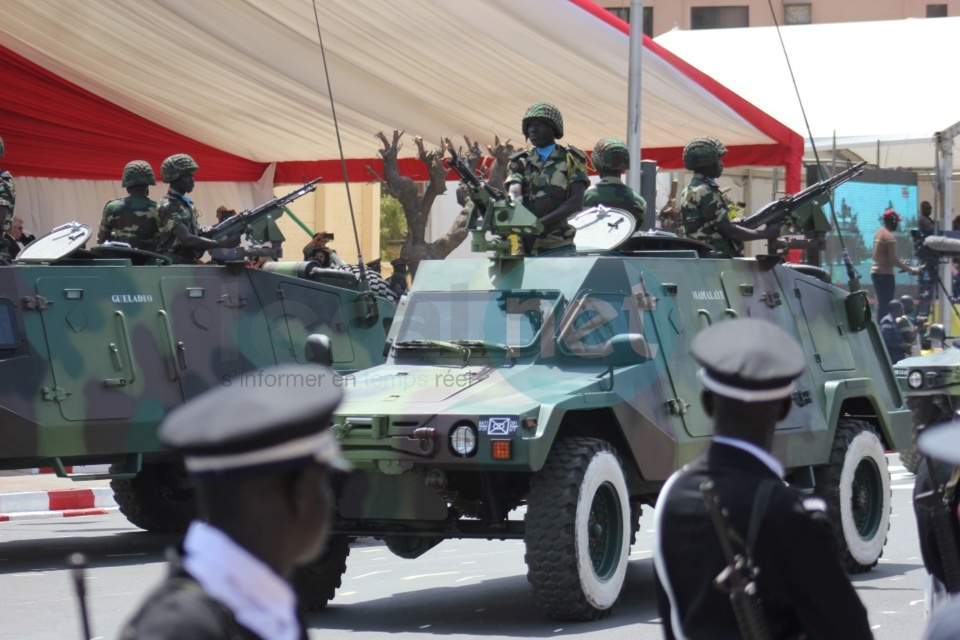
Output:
[[660, 16]]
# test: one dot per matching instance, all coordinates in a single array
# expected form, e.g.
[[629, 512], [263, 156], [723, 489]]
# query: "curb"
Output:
[[64, 503]]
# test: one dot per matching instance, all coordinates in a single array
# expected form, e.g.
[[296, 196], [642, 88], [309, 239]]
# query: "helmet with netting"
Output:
[[138, 172], [610, 154], [702, 152], [177, 165], [547, 111]]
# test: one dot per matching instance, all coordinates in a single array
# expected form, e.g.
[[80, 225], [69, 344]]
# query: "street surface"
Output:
[[461, 589]]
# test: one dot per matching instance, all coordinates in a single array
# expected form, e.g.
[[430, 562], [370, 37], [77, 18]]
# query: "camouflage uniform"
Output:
[[908, 331], [546, 185], [176, 208], [611, 192], [702, 205], [134, 220], [8, 198]]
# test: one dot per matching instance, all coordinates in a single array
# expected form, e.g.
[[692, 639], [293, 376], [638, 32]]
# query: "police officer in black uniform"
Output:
[[748, 369], [261, 457]]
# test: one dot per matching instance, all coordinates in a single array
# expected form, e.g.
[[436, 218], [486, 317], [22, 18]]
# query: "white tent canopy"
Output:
[[244, 80], [871, 84]]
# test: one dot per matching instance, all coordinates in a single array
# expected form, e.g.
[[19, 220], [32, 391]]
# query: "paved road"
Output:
[[462, 589]]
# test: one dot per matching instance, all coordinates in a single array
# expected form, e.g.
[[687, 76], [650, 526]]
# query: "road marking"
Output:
[[431, 575], [468, 578], [876, 626], [367, 575], [346, 593], [469, 562], [376, 550], [915, 602]]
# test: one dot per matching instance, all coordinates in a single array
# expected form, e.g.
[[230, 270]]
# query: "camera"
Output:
[[326, 236]]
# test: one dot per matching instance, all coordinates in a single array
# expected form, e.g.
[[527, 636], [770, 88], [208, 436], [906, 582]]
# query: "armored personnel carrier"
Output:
[[547, 399], [97, 345]]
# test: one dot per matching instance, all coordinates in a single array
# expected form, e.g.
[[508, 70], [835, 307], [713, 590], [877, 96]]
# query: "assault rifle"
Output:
[[493, 212], [245, 220], [779, 210], [739, 577]]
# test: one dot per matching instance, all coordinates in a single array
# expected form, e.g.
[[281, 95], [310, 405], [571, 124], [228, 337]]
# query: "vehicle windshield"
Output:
[[493, 318]]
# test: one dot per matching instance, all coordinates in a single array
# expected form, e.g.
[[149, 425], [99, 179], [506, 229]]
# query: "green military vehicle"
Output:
[[98, 345], [549, 398]]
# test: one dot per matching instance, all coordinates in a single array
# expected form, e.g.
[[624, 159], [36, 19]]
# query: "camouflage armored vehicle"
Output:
[[549, 398], [97, 345]]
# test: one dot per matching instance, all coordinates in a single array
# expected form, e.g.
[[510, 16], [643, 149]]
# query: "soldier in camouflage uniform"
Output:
[[179, 234], [134, 219], [611, 158], [8, 198], [548, 178], [706, 211]]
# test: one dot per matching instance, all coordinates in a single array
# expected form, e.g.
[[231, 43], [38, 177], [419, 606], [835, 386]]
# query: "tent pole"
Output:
[[945, 140], [633, 95]]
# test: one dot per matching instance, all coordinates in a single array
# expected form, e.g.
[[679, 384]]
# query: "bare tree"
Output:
[[416, 207]]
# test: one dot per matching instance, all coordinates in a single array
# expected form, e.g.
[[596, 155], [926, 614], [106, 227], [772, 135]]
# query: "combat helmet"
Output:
[[547, 111], [702, 152], [611, 154], [177, 165], [138, 172]]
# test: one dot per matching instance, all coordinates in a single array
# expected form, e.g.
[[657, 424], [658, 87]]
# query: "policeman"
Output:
[[134, 219], [8, 198], [398, 279], [705, 210], [179, 235], [261, 456], [611, 158], [803, 589], [548, 178]]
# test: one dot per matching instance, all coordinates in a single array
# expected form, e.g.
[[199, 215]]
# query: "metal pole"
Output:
[[633, 96], [945, 144]]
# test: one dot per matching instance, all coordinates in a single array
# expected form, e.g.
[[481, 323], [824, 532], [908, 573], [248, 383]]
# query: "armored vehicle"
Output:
[[549, 398], [97, 345]]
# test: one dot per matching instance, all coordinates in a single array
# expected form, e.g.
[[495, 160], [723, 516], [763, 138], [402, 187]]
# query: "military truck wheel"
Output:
[[578, 530], [856, 486], [924, 412], [317, 582], [158, 499], [378, 285]]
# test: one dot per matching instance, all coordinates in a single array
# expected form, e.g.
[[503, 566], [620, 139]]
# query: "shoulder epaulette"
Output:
[[580, 155], [518, 154]]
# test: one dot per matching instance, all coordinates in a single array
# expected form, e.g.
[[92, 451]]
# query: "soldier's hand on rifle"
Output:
[[771, 232]]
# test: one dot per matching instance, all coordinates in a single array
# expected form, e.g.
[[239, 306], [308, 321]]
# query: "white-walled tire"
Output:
[[578, 530], [856, 487]]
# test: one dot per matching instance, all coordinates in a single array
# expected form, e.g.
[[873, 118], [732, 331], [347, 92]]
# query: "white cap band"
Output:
[[323, 447], [743, 395]]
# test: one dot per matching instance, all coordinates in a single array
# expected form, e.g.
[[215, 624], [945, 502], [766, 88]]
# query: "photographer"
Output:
[[317, 249]]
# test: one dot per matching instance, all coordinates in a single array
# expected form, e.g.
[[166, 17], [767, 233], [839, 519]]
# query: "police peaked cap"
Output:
[[747, 360], [265, 420]]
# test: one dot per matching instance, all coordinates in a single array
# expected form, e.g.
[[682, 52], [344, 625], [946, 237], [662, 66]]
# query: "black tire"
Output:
[[578, 530], [923, 412], [316, 583], [378, 285], [910, 458], [158, 499], [856, 487]]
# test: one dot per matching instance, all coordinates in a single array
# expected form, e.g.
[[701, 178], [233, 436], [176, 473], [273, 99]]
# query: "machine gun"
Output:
[[778, 211], [739, 577], [249, 219], [493, 212]]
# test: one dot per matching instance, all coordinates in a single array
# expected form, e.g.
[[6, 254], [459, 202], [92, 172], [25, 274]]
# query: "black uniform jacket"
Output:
[[802, 584], [931, 474], [179, 609]]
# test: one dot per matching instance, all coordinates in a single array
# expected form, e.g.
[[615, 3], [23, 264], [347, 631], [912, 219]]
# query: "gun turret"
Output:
[[493, 212], [249, 219], [779, 211]]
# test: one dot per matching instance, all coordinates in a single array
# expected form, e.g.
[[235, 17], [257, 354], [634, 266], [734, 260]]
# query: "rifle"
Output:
[[739, 577], [938, 505], [779, 210], [245, 220]]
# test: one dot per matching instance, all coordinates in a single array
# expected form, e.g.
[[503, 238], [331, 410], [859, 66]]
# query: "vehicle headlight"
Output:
[[463, 439], [915, 380]]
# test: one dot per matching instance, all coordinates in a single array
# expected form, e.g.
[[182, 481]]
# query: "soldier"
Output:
[[705, 210], [179, 234], [548, 178], [8, 198], [318, 250], [802, 588], [261, 457], [133, 219], [907, 327], [611, 158], [398, 279]]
